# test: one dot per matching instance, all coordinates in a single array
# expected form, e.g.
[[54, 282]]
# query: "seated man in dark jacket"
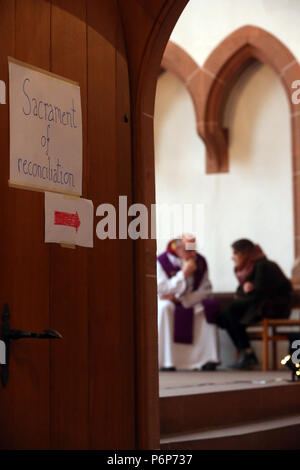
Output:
[[264, 291]]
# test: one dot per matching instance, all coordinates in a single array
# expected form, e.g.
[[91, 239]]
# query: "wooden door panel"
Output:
[[79, 392], [7, 41], [69, 291], [25, 263], [111, 345]]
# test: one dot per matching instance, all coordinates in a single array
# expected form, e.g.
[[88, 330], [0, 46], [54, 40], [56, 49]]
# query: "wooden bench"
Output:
[[268, 327], [268, 333]]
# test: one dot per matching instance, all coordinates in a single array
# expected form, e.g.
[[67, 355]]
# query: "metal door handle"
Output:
[[8, 334], [19, 334]]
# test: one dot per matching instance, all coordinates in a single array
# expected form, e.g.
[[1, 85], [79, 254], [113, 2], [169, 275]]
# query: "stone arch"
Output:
[[210, 85], [177, 61], [142, 111], [219, 74]]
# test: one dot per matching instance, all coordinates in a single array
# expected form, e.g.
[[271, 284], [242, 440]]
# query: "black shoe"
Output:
[[167, 369], [246, 361], [210, 366]]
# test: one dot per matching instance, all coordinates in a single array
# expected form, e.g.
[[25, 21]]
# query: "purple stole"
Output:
[[183, 317]]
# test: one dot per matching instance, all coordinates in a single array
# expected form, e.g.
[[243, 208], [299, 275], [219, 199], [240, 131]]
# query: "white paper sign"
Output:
[[45, 130], [68, 220]]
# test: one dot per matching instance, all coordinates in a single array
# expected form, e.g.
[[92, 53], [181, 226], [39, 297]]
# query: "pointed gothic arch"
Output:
[[210, 85], [177, 61], [219, 74]]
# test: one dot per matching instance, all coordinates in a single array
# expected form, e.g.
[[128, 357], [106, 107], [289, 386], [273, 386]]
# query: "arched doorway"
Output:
[[217, 142]]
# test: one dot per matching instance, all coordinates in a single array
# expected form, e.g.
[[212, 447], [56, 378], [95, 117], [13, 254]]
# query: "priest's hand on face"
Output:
[[248, 287], [189, 266], [169, 297]]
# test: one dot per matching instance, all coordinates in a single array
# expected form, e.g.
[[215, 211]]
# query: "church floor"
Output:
[[191, 382]]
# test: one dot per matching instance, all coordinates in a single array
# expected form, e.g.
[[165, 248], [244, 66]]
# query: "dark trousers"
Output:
[[229, 319]]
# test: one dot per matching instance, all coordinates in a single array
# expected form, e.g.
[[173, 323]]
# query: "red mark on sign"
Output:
[[64, 218]]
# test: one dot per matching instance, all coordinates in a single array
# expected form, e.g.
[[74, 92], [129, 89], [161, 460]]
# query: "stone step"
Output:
[[188, 413], [270, 434]]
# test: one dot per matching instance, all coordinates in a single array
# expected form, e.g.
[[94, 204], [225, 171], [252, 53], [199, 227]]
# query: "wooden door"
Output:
[[78, 392]]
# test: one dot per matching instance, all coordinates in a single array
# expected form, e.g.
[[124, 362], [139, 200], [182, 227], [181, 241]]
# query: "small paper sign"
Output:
[[68, 220], [45, 131]]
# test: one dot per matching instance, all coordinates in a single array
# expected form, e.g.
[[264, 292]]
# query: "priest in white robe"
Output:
[[186, 340]]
